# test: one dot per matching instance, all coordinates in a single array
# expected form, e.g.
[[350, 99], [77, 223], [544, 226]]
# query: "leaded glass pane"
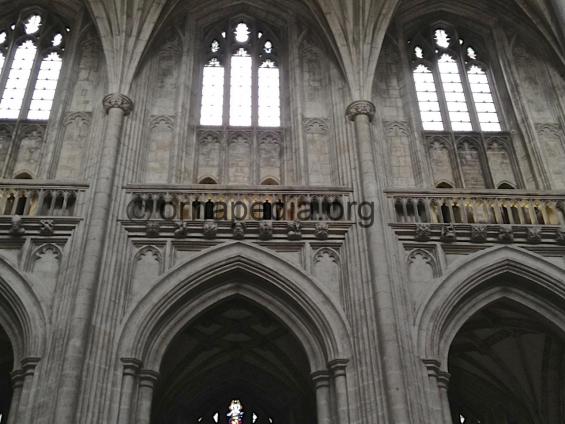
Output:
[[18, 78], [240, 89], [44, 92], [427, 99]]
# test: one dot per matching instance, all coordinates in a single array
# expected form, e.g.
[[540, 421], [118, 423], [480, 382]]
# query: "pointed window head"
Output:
[[57, 40]]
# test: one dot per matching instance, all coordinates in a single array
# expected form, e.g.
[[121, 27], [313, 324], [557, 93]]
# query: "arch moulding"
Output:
[[502, 272], [236, 269], [21, 314]]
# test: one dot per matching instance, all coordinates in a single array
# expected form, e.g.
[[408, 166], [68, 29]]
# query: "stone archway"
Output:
[[506, 282], [257, 277], [507, 366]]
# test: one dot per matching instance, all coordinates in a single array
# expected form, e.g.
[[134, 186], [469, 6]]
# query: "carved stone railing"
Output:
[[240, 212], [226, 203], [40, 198], [510, 207]]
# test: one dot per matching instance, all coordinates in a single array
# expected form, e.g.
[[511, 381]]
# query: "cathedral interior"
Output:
[[282, 212]]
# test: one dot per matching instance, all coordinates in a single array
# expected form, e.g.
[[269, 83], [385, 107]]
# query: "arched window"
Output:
[[31, 50], [453, 84], [240, 78]]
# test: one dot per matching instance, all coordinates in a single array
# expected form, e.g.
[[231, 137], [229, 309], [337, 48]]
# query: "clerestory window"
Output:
[[31, 51], [241, 78], [453, 84]]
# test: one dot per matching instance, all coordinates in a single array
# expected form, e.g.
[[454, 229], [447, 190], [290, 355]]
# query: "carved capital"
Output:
[[116, 100], [360, 107], [321, 379]]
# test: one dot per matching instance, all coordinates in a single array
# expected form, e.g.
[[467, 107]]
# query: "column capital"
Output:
[[116, 100], [321, 378], [360, 107], [30, 363], [17, 378], [148, 378], [337, 366], [443, 379], [131, 365]]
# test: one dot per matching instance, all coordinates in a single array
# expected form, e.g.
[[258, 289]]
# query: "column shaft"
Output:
[[131, 366], [17, 385], [340, 390], [361, 113], [117, 106], [147, 380], [322, 383]]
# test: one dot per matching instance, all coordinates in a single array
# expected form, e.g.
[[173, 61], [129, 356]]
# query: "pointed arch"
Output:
[[21, 314], [236, 269], [536, 284]]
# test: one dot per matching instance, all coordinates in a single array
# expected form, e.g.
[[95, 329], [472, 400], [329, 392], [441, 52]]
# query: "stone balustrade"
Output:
[[493, 207], [242, 203], [33, 198]]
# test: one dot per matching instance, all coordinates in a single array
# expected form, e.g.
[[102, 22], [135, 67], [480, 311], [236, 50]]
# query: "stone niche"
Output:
[[315, 100], [76, 129], [239, 158], [317, 136], [161, 136], [28, 157]]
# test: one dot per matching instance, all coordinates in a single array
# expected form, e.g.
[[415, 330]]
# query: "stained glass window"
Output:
[[452, 84], [247, 64], [33, 67]]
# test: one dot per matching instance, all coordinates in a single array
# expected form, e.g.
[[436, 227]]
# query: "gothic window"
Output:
[[453, 83], [240, 78], [31, 50]]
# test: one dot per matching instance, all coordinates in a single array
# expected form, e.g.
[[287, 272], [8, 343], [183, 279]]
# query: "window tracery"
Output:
[[241, 79], [452, 83], [31, 51]]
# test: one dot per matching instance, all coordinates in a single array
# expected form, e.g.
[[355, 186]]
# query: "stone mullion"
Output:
[[361, 113], [117, 107]]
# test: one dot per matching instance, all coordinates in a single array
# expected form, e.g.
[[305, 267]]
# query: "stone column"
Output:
[[147, 380], [443, 384], [129, 377], [362, 113], [321, 381], [337, 368], [17, 385], [437, 398], [28, 371], [117, 106]]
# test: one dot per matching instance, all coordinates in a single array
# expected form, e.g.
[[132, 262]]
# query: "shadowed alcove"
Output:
[[507, 367], [235, 350]]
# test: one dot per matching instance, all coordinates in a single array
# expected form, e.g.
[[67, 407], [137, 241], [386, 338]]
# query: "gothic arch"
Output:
[[21, 314], [479, 282], [299, 302]]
